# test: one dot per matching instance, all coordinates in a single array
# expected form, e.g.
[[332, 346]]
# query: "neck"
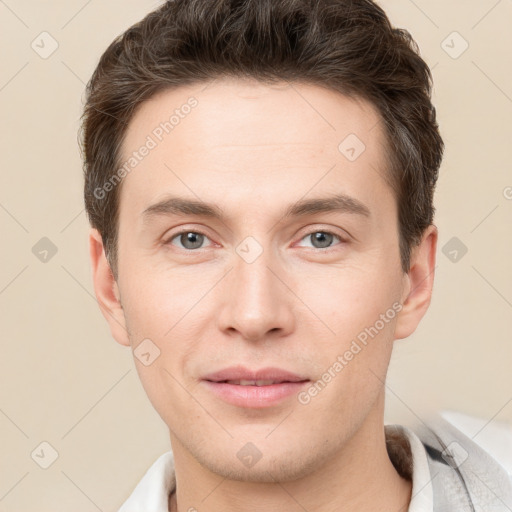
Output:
[[357, 477]]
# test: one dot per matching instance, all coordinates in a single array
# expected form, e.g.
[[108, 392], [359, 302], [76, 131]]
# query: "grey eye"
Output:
[[321, 239], [190, 239]]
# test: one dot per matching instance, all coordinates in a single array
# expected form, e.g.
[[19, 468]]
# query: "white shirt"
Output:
[[152, 492]]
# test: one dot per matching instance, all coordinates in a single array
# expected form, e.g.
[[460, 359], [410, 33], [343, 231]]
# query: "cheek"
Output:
[[358, 309], [353, 363], [169, 308], [158, 302], [347, 300]]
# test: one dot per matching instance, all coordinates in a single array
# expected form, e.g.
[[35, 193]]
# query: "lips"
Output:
[[239, 375], [254, 389]]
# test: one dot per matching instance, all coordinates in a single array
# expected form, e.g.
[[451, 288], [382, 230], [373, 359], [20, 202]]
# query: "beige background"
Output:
[[66, 382]]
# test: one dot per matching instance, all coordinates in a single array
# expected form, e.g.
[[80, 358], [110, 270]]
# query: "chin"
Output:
[[267, 465]]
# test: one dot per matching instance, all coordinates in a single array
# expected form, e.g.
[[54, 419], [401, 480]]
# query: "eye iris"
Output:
[[322, 237], [196, 239]]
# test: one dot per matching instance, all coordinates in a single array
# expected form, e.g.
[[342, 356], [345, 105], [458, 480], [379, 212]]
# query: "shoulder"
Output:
[[464, 476]]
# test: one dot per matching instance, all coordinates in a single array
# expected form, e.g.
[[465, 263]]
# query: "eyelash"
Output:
[[198, 232]]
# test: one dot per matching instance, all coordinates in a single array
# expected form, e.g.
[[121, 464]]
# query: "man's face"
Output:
[[259, 288]]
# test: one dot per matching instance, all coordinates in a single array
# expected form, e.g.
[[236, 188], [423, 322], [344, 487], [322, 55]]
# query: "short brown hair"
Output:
[[345, 45]]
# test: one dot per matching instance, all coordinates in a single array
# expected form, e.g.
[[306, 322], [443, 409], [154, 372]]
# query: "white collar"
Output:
[[152, 492]]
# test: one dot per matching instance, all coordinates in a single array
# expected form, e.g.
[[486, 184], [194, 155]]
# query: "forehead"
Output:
[[236, 136]]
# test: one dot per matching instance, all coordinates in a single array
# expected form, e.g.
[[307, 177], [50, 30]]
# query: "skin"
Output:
[[254, 149]]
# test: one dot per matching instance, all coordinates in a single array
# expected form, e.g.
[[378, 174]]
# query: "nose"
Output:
[[257, 301]]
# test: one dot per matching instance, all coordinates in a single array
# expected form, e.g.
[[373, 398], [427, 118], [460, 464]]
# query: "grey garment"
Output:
[[465, 478]]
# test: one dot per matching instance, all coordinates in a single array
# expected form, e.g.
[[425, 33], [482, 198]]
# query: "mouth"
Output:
[[246, 377], [254, 389]]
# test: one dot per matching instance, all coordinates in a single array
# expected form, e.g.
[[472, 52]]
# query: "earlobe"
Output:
[[419, 282], [106, 289]]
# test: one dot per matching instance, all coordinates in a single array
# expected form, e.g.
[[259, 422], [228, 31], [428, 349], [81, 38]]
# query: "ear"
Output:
[[418, 283], [106, 289]]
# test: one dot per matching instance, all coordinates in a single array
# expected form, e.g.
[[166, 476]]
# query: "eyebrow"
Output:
[[174, 205]]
